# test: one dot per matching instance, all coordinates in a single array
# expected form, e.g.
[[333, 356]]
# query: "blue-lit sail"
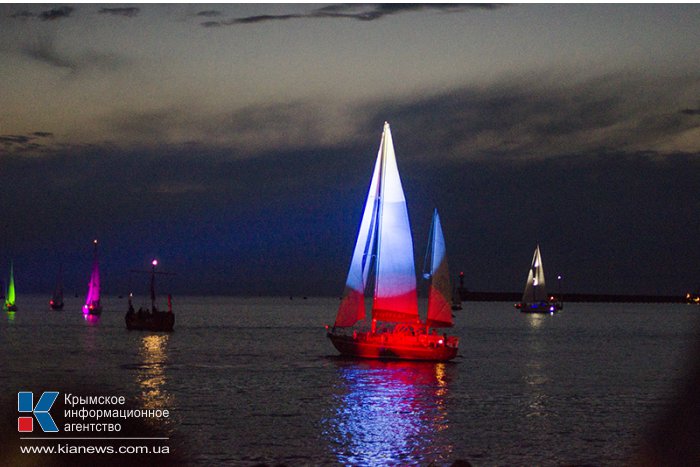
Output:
[[352, 306]]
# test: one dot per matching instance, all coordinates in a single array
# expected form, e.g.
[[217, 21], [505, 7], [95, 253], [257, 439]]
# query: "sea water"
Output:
[[255, 380]]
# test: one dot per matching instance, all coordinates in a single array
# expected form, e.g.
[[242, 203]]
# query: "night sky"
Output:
[[236, 143]]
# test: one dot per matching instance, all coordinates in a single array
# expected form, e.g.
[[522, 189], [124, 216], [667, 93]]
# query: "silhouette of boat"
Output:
[[150, 319]]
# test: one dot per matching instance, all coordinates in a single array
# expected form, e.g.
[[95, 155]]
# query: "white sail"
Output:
[[395, 293], [384, 244], [439, 306], [535, 290]]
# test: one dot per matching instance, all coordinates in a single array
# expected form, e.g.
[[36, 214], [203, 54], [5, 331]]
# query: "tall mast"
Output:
[[380, 206], [154, 263]]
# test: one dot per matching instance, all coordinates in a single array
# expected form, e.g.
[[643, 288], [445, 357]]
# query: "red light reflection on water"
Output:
[[391, 413]]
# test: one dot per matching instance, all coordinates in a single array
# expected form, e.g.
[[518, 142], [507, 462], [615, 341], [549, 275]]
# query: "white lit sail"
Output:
[[384, 232], [535, 290], [395, 295]]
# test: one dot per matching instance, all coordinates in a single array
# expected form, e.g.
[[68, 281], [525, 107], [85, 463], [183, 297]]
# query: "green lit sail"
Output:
[[10, 295]]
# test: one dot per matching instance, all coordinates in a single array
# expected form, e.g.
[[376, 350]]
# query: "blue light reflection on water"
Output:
[[390, 412]]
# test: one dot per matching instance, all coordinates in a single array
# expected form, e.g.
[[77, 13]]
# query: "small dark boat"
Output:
[[153, 319]]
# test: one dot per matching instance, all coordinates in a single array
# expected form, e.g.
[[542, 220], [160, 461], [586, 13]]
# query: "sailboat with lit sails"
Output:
[[535, 298], [92, 300], [384, 252], [10, 305]]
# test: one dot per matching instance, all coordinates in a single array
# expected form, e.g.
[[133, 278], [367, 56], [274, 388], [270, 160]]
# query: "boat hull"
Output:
[[377, 346], [150, 321], [12, 307], [92, 309], [539, 307]]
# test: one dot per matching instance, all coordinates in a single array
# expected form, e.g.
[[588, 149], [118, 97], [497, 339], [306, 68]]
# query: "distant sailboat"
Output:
[[535, 298], [92, 301], [10, 294], [56, 302], [153, 319], [384, 248]]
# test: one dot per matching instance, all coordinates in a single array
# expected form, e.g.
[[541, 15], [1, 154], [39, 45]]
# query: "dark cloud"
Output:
[[44, 50], [530, 119], [373, 12], [56, 13], [519, 120], [14, 139], [128, 12], [360, 12], [25, 144]]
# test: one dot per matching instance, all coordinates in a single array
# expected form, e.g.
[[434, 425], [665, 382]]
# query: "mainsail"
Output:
[[384, 244], [10, 295], [439, 306], [534, 287], [92, 301]]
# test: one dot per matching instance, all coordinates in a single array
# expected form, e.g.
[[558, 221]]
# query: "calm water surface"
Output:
[[251, 380]]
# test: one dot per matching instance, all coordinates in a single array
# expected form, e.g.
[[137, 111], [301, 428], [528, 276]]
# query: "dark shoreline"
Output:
[[469, 296]]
